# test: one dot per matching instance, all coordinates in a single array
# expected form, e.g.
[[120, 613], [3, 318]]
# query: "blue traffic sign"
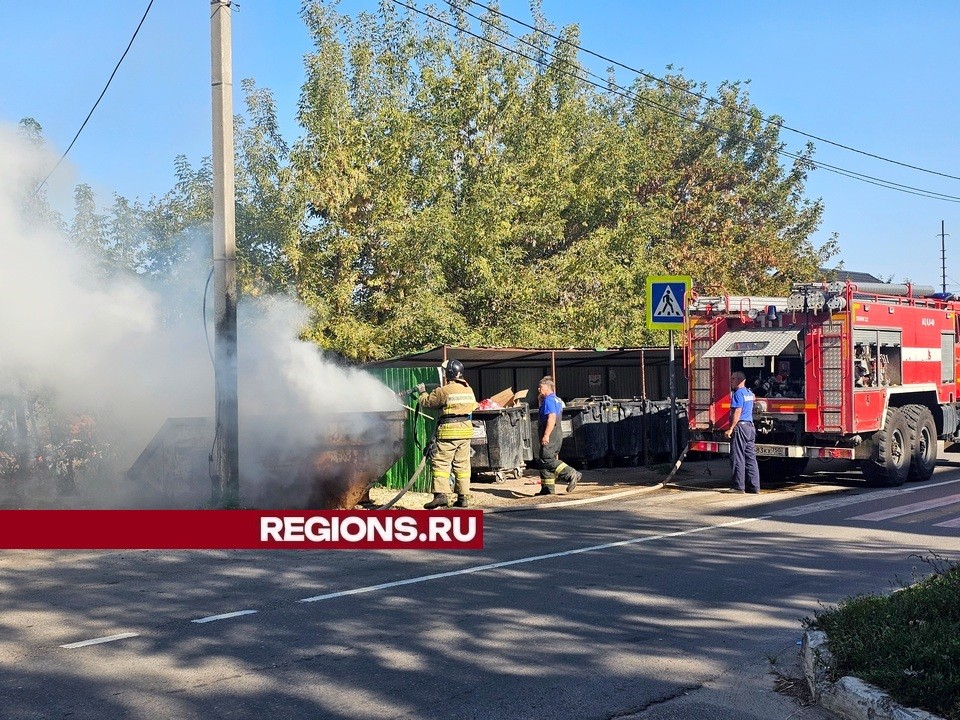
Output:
[[666, 298]]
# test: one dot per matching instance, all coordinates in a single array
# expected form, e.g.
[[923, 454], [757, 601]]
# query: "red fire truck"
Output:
[[864, 372]]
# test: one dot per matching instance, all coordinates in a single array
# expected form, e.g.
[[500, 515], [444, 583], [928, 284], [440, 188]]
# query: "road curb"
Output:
[[848, 697]]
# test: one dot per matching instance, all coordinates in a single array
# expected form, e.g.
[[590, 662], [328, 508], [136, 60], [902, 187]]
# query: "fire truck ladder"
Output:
[[831, 384], [702, 338]]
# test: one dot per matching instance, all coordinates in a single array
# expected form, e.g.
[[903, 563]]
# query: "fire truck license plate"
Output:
[[771, 450]]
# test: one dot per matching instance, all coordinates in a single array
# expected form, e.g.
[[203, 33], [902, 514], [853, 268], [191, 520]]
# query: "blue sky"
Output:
[[876, 75]]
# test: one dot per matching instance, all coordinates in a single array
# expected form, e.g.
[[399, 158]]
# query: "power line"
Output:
[[889, 184], [89, 114], [933, 195], [706, 98], [609, 86]]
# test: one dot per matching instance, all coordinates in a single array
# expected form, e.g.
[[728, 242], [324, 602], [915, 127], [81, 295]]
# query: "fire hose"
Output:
[[428, 451]]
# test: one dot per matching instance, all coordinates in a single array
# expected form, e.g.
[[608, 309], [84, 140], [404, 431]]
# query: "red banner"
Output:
[[241, 529]]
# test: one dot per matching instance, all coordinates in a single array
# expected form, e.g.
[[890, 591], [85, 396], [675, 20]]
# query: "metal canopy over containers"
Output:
[[579, 373], [616, 411]]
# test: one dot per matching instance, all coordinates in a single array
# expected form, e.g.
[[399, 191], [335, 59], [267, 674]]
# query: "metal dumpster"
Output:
[[501, 441], [323, 462], [657, 433], [627, 426], [586, 437]]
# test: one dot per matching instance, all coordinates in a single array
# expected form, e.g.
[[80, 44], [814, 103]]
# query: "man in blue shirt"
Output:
[[743, 437], [549, 440]]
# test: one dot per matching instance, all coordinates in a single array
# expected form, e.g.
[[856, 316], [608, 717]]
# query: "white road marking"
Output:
[[854, 499], [224, 616], [567, 503], [520, 561], [907, 509], [837, 503], [97, 641], [955, 523]]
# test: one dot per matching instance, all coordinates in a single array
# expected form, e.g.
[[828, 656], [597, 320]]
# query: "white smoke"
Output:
[[109, 345], [281, 374], [58, 326]]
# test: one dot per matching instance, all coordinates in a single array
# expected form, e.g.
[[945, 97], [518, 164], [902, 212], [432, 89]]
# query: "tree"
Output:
[[268, 210], [465, 187], [31, 196], [88, 230], [454, 184]]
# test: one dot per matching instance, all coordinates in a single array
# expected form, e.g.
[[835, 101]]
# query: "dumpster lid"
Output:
[[754, 343]]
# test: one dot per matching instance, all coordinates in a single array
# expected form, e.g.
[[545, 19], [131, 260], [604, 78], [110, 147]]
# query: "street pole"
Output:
[[226, 484], [943, 255], [673, 402]]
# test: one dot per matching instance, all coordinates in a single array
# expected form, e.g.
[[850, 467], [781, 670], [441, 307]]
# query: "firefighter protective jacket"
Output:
[[456, 402]]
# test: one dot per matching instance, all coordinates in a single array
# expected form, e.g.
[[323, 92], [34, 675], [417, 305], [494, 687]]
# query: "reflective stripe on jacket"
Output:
[[454, 398]]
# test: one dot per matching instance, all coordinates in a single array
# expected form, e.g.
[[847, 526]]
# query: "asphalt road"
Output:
[[677, 603]]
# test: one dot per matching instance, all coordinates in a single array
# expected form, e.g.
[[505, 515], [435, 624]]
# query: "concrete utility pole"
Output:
[[226, 483]]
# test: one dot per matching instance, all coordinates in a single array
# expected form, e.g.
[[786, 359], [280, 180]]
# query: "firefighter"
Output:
[[550, 438], [456, 402], [745, 474]]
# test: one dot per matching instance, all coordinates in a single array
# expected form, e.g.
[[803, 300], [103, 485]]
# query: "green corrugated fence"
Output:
[[417, 429]]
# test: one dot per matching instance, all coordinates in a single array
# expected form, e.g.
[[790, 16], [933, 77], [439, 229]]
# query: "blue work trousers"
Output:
[[743, 458]]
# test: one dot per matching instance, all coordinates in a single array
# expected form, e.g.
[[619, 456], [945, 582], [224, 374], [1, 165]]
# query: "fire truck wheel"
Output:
[[892, 450], [923, 439]]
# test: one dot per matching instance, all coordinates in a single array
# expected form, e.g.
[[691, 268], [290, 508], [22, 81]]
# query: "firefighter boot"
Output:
[[572, 479], [546, 489], [462, 501], [439, 500]]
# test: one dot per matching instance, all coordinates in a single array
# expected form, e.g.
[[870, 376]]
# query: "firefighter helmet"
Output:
[[452, 369]]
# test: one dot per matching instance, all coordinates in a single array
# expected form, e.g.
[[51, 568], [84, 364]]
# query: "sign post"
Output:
[[666, 310]]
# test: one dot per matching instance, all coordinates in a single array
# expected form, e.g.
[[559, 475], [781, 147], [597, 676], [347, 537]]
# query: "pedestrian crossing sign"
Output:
[[666, 301]]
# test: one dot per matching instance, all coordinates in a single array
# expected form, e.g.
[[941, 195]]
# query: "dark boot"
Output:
[[547, 489], [439, 500], [462, 501], [572, 479]]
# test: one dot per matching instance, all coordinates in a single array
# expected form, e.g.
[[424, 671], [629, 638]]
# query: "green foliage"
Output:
[[268, 212], [460, 192], [154, 238], [455, 185], [31, 195], [907, 643]]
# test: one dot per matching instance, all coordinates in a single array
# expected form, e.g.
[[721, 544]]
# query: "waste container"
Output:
[[529, 429], [501, 441], [584, 423], [626, 428], [292, 462], [658, 429]]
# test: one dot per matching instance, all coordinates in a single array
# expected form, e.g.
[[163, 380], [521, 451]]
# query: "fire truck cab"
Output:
[[864, 372]]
